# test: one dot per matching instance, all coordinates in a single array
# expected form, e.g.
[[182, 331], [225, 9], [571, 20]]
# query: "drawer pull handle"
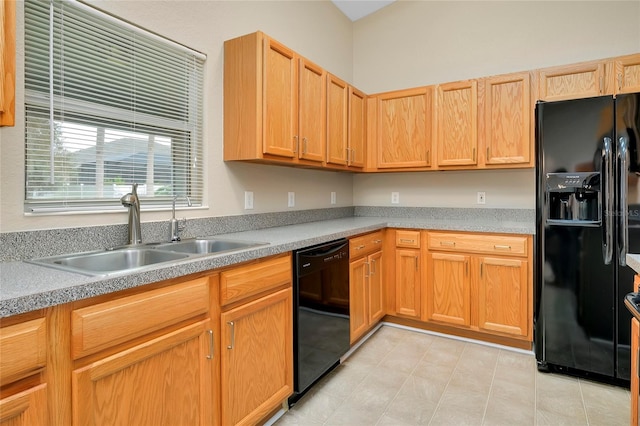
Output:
[[448, 243], [403, 240], [501, 247], [211, 350], [377, 241], [360, 247], [233, 334]]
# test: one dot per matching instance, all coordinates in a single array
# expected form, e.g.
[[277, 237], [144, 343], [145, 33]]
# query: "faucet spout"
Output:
[[176, 226], [132, 202]]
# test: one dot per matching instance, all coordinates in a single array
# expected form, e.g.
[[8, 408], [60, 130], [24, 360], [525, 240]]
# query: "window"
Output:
[[107, 105]]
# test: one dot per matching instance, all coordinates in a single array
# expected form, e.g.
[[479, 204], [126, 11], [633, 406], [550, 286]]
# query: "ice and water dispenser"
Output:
[[574, 198]]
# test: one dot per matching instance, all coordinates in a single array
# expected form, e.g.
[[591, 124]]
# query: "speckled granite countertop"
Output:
[[633, 261], [26, 287]]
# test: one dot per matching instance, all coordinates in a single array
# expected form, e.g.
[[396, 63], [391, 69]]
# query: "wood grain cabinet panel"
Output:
[[7, 62], [312, 110], [254, 278], [23, 349], [505, 117], [337, 120], [366, 292], [408, 282], [457, 123], [404, 128], [627, 73], [165, 381], [357, 128], [503, 296], [26, 408], [257, 358], [583, 80], [449, 289]]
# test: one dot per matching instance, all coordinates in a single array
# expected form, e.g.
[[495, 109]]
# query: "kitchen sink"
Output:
[[207, 245], [111, 261], [132, 258]]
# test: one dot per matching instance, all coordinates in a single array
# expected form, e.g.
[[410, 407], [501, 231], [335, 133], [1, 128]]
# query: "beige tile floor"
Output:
[[403, 377]]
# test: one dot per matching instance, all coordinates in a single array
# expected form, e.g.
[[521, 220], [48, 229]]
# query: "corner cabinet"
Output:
[[403, 133], [7, 62], [366, 291], [274, 103], [257, 340]]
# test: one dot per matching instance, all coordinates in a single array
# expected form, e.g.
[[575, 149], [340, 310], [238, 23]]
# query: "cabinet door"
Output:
[[27, 408], [408, 282], [505, 128], [457, 123], [7, 62], [404, 128], [165, 381], [628, 74], [312, 107], [357, 127], [337, 109], [280, 100], [572, 81], [635, 380], [503, 296], [257, 358], [448, 290], [376, 289], [358, 312]]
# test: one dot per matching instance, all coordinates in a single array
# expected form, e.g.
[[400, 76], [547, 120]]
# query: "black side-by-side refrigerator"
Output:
[[588, 219]]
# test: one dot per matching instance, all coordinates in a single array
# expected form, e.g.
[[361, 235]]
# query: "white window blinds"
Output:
[[107, 105]]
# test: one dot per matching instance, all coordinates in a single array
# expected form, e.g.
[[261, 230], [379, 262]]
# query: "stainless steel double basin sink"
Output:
[[134, 258]]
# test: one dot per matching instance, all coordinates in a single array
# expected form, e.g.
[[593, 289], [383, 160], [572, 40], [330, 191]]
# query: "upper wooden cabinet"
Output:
[[337, 121], [7, 62], [627, 69], [357, 128], [457, 123], [404, 128], [505, 116], [583, 80], [274, 103]]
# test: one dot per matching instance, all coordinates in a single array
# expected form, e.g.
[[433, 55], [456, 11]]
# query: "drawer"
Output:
[[23, 349], [365, 244], [409, 239], [244, 281], [107, 324], [479, 243]]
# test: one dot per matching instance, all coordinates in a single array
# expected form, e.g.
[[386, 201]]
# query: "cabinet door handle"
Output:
[[466, 268], [367, 271], [488, 151], [347, 152], [481, 267], [619, 82], [304, 145], [601, 84], [295, 144], [233, 334], [448, 243], [373, 267], [402, 240], [416, 259], [501, 247], [211, 349]]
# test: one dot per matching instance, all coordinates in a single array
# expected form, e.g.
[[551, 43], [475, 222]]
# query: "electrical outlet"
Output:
[[395, 198], [333, 197], [248, 200], [291, 201], [481, 198]]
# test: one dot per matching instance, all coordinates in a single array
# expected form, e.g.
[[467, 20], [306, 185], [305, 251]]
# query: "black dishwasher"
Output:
[[320, 311]]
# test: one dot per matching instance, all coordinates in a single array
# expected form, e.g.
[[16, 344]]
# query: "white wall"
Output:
[[417, 43], [316, 29]]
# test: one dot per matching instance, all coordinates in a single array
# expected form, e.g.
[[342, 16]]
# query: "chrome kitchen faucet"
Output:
[[176, 226], [132, 202]]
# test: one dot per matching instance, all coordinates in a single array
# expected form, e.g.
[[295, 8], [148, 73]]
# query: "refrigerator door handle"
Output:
[[623, 218], [608, 204]]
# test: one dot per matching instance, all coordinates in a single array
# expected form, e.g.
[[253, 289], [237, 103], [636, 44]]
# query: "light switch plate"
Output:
[[248, 200]]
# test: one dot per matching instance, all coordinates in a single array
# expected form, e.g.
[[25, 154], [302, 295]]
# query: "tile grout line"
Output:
[[486, 404], [584, 405], [444, 391]]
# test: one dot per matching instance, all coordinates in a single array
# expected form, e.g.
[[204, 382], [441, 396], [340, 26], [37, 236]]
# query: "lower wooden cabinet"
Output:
[[408, 274], [164, 381], [448, 289], [26, 408], [256, 358], [366, 303]]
